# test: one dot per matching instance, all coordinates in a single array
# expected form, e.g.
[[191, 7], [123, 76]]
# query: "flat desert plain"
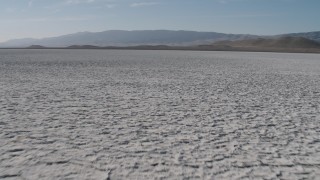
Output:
[[121, 114]]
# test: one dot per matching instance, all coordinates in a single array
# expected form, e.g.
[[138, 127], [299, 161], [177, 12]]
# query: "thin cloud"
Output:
[[47, 19], [230, 1], [57, 7], [144, 4], [10, 10], [79, 1], [110, 6], [30, 3], [247, 15]]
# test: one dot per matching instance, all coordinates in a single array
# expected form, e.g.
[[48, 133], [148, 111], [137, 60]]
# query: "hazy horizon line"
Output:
[[87, 31]]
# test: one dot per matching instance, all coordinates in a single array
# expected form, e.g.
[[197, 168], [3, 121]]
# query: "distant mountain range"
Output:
[[280, 42], [144, 37], [275, 44]]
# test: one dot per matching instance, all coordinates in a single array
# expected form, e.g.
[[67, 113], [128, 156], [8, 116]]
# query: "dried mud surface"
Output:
[[108, 114]]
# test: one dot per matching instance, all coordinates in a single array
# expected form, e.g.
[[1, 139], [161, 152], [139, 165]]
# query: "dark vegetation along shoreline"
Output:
[[281, 44]]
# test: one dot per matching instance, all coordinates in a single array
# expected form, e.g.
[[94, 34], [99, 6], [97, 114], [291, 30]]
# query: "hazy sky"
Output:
[[43, 18]]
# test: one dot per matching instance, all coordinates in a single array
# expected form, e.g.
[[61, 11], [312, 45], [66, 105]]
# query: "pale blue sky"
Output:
[[45, 18]]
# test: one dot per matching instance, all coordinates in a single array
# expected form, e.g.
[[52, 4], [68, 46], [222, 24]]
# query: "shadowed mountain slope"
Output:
[[315, 36], [282, 42]]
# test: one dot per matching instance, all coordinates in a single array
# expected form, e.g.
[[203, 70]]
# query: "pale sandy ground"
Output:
[[90, 114]]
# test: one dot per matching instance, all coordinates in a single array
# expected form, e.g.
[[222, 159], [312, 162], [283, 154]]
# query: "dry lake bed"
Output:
[[121, 114]]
